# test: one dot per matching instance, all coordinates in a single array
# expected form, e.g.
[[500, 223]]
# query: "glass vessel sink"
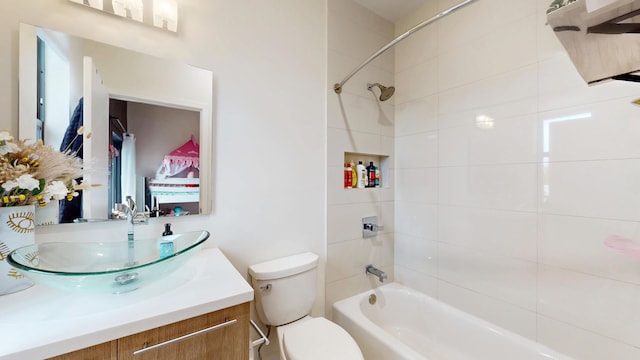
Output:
[[114, 267]]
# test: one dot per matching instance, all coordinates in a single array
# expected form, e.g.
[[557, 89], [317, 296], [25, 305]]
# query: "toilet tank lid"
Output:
[[283, 267]]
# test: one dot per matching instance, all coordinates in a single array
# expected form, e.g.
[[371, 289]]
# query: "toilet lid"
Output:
[[320, 339]]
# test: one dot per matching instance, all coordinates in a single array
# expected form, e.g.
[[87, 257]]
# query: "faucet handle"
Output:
[[131, 204], [370, 226], [120, 211], [140, 218]]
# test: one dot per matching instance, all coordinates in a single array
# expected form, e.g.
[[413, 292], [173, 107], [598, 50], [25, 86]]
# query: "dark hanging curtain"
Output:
[[71, 210]]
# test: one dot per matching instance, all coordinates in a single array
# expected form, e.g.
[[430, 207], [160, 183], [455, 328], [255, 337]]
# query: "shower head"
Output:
[[385, 92]]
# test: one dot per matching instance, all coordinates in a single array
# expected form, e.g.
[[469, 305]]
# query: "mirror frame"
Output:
[[27, 93]]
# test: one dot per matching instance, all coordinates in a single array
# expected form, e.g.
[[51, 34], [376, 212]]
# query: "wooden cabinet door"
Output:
[[104, 351], [220, 335]]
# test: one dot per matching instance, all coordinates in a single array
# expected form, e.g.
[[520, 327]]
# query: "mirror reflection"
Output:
[[149, 119]]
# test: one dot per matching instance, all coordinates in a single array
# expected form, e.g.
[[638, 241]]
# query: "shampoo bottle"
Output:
[[354, 175], [362, 175], [371, 175], [346, 176]]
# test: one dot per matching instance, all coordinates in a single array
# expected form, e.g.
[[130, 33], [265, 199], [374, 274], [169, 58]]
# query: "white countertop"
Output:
[[42, 322]]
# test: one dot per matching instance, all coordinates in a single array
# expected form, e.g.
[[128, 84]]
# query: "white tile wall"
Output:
[[608, 130], [593, 303], [506, 233], [416, 219], [583, 344], [358, 123], [417, 151], [576, 243], [515, 318], [418, 116], [508, 279], [407, 88], [508, 222], [417, 253], [599, 189], [417, 185]]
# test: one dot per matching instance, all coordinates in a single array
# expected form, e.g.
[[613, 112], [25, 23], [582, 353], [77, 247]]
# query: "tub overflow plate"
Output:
[[372, 299]]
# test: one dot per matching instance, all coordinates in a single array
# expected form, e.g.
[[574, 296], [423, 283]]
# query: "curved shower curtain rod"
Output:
[[338, 86]]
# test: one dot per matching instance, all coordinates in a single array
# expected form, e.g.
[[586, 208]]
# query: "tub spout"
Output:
[[381, 275]]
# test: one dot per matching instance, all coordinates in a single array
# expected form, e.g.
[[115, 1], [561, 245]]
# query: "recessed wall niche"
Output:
[[381, 161]]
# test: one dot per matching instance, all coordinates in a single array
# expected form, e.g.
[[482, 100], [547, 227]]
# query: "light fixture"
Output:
[[484, 122], [161, 14], [96, 4], [165, 14], [130, 9]]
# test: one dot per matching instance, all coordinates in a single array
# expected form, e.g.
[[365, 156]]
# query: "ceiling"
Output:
[[392, 10]]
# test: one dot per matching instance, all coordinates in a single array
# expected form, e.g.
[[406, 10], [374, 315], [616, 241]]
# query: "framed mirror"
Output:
[[150, 121]]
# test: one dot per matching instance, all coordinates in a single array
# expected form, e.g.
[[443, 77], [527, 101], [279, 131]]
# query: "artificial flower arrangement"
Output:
[[557, 4], [34, 173]]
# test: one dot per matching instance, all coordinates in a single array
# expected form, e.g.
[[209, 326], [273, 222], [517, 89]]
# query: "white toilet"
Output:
[[285, 291]]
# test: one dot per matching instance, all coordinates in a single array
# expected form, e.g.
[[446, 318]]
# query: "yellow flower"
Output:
[[33, 173]]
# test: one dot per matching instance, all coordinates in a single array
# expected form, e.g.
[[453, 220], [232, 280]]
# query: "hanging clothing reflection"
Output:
[[71, 210], [128, 161]]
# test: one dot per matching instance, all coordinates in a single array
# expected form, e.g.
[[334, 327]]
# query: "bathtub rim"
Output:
[[353, 303]]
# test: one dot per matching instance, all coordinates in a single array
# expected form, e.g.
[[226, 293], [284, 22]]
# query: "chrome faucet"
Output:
[[133, 218], [131, 213], [128, 208], [382, 276]]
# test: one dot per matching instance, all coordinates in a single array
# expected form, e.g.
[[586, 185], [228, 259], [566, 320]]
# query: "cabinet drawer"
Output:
[[222, 334], [104, 351]]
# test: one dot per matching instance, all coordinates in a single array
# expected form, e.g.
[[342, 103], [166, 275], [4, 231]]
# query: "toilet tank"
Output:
[[285, 288]]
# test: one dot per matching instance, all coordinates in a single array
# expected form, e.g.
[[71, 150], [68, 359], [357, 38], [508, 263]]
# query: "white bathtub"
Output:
[[406, 324]]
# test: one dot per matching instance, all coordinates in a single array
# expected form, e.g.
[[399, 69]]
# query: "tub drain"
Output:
[[372, 299]]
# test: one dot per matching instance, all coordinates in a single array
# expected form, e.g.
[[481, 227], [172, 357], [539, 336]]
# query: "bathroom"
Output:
[[467, 207]]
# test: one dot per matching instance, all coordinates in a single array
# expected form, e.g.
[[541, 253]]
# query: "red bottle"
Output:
[[346, 177]]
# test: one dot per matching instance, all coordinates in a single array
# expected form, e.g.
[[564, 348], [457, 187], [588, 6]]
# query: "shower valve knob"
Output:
[[370, 226], [373, 227]]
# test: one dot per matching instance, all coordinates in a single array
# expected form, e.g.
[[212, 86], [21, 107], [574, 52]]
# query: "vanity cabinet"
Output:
[[222, 334], [105, 351]]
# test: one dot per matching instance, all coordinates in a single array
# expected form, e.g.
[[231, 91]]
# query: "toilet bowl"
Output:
[[316, 339], [285, 291]]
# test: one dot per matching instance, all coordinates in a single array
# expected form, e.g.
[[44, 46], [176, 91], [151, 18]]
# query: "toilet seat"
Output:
[[319, 339]]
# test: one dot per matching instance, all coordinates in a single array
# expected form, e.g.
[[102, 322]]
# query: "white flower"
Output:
[[56, 190], [9, 185], [5, 136], [8, 147], [26, 182]]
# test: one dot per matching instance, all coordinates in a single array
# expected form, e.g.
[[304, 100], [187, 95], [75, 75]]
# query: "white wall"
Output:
[[159, 130], [56, 96], [508, 222], [269, 64], [357, 123]]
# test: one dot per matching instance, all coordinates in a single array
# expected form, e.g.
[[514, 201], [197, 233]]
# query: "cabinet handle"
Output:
[[185, 337]]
